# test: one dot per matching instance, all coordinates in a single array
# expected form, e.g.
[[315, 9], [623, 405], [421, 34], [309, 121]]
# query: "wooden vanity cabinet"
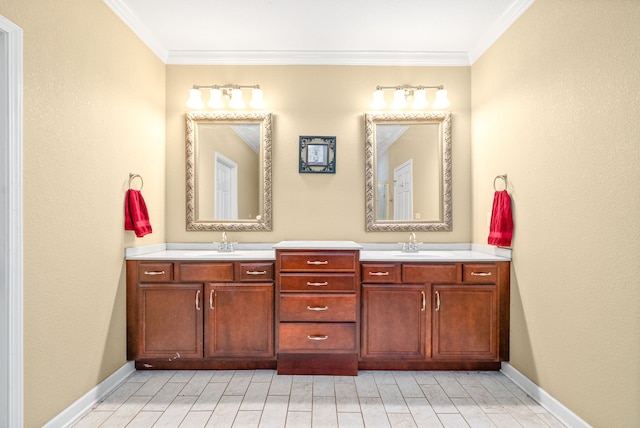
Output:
[[435, 315], [317, 311], [205, 315]]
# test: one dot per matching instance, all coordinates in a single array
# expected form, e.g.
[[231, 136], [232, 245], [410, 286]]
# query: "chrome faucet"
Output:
[[224, 246], [412, 245]]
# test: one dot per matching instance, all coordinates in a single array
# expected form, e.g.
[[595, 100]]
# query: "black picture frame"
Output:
[[317, 154]]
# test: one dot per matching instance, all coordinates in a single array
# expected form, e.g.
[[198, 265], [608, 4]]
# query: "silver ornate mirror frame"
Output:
[[375, 225], [263, 223]]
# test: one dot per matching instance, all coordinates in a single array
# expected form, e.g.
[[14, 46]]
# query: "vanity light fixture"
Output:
[[230, 92], [402, 95]]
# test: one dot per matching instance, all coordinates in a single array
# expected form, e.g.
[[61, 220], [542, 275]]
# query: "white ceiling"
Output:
[[360, 32]]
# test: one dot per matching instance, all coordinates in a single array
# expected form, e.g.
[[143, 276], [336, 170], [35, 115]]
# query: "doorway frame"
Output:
[[11, 251]]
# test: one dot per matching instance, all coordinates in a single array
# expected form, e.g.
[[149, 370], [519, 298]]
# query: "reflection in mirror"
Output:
[[408, 171], [228, 171]]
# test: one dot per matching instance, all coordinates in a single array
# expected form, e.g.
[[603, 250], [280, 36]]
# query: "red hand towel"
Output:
[[501, 230], [136, 217]]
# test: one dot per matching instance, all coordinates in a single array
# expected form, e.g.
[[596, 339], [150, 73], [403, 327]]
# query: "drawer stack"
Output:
[[317, 311]]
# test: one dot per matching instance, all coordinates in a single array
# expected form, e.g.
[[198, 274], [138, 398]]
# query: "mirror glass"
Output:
[[408, 171], [228, 171]]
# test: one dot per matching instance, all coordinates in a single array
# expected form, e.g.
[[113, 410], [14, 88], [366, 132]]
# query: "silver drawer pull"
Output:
[[317, 337], [154, 272], [311, 262], [256, 272], [317, 284], [378, 273], [480, 273], [317, 308]]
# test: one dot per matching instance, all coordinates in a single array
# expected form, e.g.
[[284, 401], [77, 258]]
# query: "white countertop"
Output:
[[317, 245], [430, 256], [437, 253]]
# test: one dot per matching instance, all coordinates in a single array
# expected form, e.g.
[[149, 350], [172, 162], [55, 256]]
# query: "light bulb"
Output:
[[378, 100], [399, 101], [215, 100], [257, 101], [195, 99], [236, 99], [419, 99], [441, 100]]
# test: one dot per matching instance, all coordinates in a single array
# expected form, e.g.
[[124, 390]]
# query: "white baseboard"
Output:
[[72, 413], [560, 411]]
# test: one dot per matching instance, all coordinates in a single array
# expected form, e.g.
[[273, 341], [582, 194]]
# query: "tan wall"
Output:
[[555, 106], [93, 112], [325, 101]]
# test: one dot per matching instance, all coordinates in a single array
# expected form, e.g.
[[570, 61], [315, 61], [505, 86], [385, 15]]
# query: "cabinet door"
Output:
[[239, 320], [170, 321], [465, 322], [394, 321]]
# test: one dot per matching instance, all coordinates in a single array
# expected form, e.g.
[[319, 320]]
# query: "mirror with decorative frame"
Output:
[[228, 171], [408, 171]]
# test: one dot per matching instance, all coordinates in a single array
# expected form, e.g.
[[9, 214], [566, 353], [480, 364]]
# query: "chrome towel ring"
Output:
[[503, 177], [133, 176]]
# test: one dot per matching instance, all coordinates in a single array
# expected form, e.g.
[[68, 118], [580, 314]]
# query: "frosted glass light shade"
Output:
[[195, 99], [257, 101], [420, 99], [399, 101], [441, 100], [236, 99], [378, 100], [215, 100]]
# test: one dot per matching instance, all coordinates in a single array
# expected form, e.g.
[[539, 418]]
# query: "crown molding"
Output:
[[371, 58], [498, 28], [379, 58], [139, 29]]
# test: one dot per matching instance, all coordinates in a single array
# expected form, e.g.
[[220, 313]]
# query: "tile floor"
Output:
[[261, 398]]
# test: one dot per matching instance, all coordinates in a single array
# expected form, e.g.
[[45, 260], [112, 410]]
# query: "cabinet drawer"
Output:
[[255, 271], [319, 283], [155, 272], [206, 272], [318, 307], [297, 337], [318, 261], [479, 273], [381, 272], [428, 273]]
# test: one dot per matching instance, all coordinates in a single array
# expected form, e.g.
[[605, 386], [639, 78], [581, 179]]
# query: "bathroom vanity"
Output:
[[318, 307]]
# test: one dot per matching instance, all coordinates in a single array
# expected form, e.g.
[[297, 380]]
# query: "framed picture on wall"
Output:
[[317, 154]]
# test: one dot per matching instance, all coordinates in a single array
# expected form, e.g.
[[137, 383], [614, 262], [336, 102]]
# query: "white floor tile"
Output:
[[127, 412], [274, 414], [298, 420], [347, 398], [422, 412], [301, 397], [324, 413], [210, 396], [225, 412], [164, 397], [176, 412], [401, 420], [195, 420], [144, 420], [247, 419], [392, 399], [264, 399], [373, 413], [438, 399], [350, 420]]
